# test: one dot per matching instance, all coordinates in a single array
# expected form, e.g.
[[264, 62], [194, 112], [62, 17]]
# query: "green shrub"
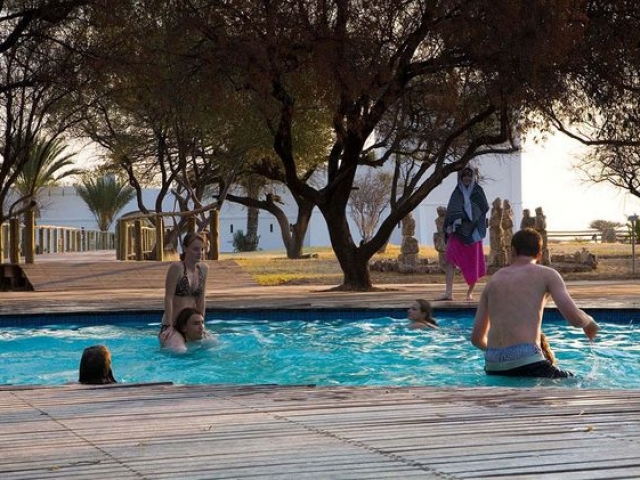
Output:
[[244, 243]]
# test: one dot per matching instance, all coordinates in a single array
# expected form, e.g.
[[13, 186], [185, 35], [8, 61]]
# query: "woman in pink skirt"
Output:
[[465, 226]]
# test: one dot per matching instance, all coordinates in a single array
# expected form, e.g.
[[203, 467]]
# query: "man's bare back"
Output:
[[516, 297], [510, 310]]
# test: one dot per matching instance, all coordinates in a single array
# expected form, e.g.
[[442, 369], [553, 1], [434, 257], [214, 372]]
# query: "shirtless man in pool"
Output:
[[509, 316]]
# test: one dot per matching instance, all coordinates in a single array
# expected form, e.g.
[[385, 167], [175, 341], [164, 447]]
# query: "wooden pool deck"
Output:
[[164, 431], [226, 432]]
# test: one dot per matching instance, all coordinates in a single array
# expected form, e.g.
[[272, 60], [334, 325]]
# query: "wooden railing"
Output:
[[20, 242], [135, 240], [621, 234]]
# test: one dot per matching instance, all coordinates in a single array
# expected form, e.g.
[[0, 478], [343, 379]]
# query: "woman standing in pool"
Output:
[[420, 314], [185, 285], [465, 226]]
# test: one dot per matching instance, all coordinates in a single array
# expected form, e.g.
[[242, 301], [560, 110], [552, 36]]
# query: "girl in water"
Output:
[[420, 314]]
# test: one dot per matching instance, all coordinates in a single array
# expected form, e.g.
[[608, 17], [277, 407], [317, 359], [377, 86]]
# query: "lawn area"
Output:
[[320, 266]]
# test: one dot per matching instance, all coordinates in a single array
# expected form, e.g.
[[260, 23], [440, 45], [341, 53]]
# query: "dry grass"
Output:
[[274, 268]]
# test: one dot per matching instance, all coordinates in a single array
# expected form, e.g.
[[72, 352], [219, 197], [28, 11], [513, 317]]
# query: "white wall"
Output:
[[61, 206], [502, 177]]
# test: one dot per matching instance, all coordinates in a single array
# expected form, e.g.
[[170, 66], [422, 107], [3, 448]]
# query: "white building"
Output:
[[501, 177]]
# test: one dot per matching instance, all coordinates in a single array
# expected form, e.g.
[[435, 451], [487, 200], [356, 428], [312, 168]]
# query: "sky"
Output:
[[567, 200]]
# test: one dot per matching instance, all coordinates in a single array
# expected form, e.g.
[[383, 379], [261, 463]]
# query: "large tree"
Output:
[[34, 61], [437, 82], [171, 115], [141, 104], [601, 107]]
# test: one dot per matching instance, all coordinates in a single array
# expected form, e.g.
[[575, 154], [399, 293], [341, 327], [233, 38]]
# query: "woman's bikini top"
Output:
[[184, 288]]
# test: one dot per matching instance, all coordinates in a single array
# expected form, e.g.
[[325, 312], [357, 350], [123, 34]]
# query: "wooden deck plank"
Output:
[[209, 431], [57, 276]]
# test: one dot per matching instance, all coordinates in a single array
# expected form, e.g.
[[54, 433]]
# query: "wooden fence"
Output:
[[141, 237], [22, 242], [620, 234]]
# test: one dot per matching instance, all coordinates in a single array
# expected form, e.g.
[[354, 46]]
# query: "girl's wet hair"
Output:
[[546, 349], [95, 366], [184, 316], [425, 307]]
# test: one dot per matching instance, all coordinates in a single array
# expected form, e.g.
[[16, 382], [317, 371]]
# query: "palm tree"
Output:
[[105, 197], [46, 164]]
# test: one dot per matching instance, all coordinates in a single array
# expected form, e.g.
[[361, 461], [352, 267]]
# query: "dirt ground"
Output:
[[614, 262]]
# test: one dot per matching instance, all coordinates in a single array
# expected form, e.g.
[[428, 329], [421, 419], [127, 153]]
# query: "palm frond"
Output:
[[46, 164], [106, 197]]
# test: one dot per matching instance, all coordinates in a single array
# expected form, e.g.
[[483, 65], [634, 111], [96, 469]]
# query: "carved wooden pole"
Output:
[[14, 240], [214, 235], [138, 245], [29, 236], [159, 238], [2, 243], [123, 239]]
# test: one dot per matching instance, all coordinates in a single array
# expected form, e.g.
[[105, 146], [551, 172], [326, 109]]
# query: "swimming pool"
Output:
[[309, 347]]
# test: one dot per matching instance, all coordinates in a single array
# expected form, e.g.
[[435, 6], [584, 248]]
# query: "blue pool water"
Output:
[[307, 347]]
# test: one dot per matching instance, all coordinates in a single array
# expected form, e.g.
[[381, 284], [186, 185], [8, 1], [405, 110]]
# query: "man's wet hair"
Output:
[[527, 242]]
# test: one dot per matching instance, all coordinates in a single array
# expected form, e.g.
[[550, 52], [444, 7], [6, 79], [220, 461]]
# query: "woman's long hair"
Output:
[[546, 349], [95, 366]]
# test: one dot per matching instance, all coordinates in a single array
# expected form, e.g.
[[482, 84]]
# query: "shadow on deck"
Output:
[[67, 276]]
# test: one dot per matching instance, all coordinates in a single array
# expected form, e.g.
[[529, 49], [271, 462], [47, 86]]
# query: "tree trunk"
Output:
[[355, 268], [251, 237], [383, 248], [353, 260], [292, 234], [299, 229], [294, 246]]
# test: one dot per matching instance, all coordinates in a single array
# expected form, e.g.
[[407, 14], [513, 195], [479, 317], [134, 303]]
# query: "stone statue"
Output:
[[527, 220], [541, 220], [439, 238], [408, 226], [409, 248], [541, 227], [507, 226], [496, 247]]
